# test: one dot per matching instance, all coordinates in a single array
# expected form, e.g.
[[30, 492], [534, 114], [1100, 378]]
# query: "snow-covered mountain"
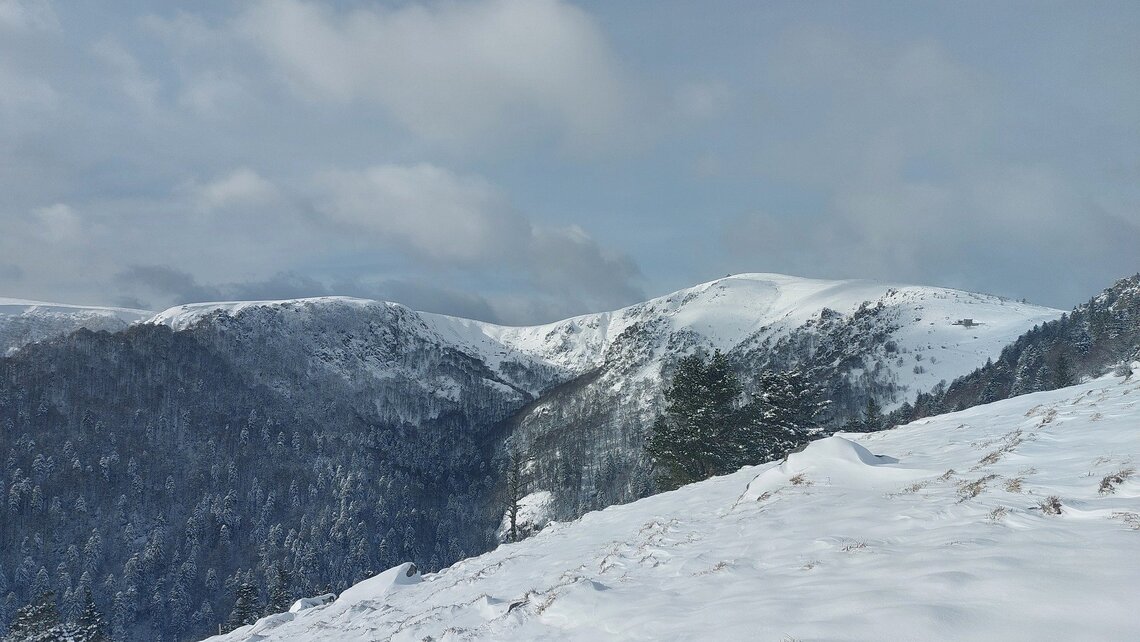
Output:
[[744, 311], [303, 444], [734, 313], [858, 339], [970, 525], [23, 322], [586, 389]]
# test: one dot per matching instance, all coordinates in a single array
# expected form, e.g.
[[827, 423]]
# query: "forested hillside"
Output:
[[145, 467]]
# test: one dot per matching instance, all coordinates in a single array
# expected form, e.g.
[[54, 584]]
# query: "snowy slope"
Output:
[[23, 322], [930, 531]]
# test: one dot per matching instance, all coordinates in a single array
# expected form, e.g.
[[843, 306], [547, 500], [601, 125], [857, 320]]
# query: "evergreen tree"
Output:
[[89, 627], [872, 416], [516, 490], [688, 442], [245, 606], [37, 622], [784, 415], [1062, 371], [280, 598]]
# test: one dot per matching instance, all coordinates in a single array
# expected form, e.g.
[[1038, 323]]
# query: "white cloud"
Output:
[[138, 86], [424, 209], [28, 15], [58, 223], [453, 73], [241, 187]]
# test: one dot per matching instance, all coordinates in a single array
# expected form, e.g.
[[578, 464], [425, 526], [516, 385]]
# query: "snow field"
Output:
[[931, 531]]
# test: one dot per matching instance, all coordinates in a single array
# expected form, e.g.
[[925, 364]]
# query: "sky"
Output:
[[521, 161]]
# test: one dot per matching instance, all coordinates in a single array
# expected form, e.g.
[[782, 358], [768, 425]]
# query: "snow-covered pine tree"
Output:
[[516, 490], [872, 416], [245, 606], [784, 415], [693, 439], [89, 626], [36, 622]]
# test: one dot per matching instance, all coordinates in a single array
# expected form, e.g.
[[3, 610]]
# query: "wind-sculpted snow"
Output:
[[23, 322], [1019, 520]]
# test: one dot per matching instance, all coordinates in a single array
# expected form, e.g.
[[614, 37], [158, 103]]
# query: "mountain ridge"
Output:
[[370, 433]]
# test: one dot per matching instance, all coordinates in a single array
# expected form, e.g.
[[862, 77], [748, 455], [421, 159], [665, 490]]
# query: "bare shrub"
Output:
[[1051, 505], [1110, 482]]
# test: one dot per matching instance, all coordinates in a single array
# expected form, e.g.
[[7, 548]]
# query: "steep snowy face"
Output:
[[971, 525], [23, 322]]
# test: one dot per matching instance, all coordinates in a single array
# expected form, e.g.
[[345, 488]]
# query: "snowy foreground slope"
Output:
[[931, 531], [23, 322]]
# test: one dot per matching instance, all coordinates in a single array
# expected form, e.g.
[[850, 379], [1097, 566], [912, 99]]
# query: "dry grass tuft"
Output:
[[970, 490], [1051, 505], [1110, 482]]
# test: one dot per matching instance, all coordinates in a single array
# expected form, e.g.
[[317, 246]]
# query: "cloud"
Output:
[[10, 272], [905, 149], [241, 187], [567, 260], [455, 74], [138, 86], [58, 223], [1013, 230], [386, 232], [28, 15], [424, 209], [169, 283], [864, 109], [459, 221], [25, 25]]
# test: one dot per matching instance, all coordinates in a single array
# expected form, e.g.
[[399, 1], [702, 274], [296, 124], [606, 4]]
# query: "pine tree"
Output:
[[516, 490], [37, 622], [245, 606], [784, 415], [692, 440], [90, 626], [872, 416], [279, 597], [1062, 371]]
